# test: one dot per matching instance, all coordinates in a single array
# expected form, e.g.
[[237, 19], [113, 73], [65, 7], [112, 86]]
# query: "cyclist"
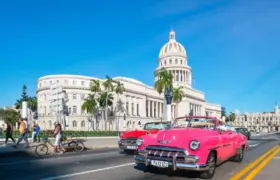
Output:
[[58, 136]]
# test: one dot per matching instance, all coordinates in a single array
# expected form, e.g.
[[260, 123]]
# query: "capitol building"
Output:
[[141, 103]]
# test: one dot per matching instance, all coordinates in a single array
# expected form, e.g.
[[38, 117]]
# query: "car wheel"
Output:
[[239, 157], [211, 163]]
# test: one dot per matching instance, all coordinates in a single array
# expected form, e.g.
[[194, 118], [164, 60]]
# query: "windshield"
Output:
[[156, 125], [194, 122]]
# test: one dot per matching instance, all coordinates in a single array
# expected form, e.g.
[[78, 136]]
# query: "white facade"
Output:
[[262, 122], [141, 103]]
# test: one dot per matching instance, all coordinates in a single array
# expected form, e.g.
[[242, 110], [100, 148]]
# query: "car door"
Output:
[[224, 147]]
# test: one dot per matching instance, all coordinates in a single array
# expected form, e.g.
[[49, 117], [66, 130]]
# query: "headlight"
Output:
[[139, 142], [194, 145]]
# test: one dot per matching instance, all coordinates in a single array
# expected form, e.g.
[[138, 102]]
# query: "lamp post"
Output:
[[24, 107], [168, 94]]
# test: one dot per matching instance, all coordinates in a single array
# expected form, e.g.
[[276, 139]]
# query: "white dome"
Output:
[[172, 47], [129, 79]]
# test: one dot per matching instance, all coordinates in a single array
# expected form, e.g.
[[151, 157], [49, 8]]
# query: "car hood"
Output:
[[138, 133], [179, 137]]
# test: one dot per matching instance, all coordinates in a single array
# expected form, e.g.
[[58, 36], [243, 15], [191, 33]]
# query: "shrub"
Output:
[[69, 133]]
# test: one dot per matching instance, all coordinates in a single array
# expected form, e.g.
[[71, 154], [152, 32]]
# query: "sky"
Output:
[[232, 45]]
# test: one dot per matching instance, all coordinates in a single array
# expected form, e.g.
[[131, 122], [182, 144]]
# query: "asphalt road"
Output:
[[112, 164]]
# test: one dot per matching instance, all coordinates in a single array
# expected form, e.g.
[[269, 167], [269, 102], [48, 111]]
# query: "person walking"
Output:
[[9, 133], [36, 132], [23, 134]]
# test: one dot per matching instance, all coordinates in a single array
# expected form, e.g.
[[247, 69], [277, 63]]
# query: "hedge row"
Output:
[[70, 133]]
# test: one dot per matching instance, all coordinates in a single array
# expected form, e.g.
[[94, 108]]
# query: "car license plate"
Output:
[[162, 164], [131, 147]]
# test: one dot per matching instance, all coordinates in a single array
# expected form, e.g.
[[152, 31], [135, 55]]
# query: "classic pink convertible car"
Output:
[[194, 143]]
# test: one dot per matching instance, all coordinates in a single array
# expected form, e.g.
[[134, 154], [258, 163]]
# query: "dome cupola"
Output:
[[172, 47]]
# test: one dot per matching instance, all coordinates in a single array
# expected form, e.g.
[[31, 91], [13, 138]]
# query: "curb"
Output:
[[85, 138]]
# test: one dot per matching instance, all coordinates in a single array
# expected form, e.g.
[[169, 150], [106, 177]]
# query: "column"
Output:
[[160, 110], [149, 114], [153, 115]]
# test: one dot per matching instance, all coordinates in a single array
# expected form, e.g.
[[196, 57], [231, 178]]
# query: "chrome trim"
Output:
[[165, 148], [174, 165]]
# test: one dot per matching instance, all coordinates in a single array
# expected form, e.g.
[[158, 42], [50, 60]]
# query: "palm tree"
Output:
[[105, 99], [89, 106], [108, 87], [178, 95], [95, 86], [164, 80], [119, 89]]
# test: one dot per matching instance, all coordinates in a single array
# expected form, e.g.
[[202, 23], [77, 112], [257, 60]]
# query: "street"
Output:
[[111, 163]]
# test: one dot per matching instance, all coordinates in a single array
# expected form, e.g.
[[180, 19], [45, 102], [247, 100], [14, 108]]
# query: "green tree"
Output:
[[90, 105], [223, 113], [9, 115], [119, 89], [178, 95], [231, 117], [95, 86], [109, 87], [164, 80]]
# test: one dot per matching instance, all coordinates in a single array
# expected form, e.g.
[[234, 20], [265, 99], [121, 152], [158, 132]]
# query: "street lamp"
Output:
[[24, 107], [168, 94]]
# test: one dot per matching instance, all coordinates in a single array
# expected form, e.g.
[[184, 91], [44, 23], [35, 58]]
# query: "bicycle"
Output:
[[78, 146]]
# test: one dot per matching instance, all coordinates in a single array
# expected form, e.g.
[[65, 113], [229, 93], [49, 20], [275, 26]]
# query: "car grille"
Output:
[[129, 141], [165, 153]]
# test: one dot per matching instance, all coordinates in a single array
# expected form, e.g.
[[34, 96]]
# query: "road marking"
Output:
[[87, 172], [261, 165], [253, 164], [276, 157], [254, 145], [47, 159]]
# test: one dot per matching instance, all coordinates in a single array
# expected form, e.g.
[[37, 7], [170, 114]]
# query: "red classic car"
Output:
[[128, 139], [193, 143]]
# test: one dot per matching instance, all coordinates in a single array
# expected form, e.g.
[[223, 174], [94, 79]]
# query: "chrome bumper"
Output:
[[174, 165], [125, 146]]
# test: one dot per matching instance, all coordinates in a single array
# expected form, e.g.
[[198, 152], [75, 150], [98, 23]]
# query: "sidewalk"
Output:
[[270, 171]]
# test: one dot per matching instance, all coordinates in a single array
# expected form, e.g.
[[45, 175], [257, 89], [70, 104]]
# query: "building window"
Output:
[[176, 61], [57, 81], [82, 96], [165, 62], [50, 109], [83, 124], [50, 124], [177, 76], [181, 61], [137, 109], [170, 61], [82, 83], [74, 109], [74, 83], [74, 123], [69, 110], [50, 82], [151, 110], [66, 96], [132, 108], [127, 108], [155, 104], [45, 110], [74, 96], [82, 111]]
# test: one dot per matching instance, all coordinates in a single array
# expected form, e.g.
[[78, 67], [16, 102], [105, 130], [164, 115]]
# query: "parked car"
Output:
[[193, 143], [244, 131], [127, 140]]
